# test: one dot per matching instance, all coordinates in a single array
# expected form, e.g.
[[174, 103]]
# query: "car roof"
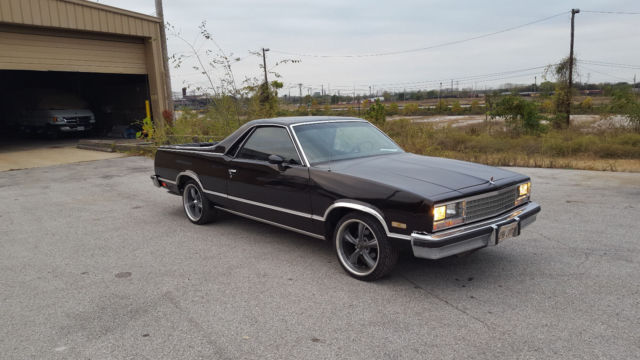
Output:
[[225, 144], [292, 120]]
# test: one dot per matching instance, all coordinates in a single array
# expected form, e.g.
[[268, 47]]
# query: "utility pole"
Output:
[[573, 15], [535, 83], [440, 93], [300, 87], [264, 65], [165, 55], [451, 86]]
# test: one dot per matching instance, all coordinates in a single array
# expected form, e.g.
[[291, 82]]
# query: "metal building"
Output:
[[110, 56]]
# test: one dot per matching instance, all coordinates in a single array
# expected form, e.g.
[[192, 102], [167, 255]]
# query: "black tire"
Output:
[[198, 209], [362, 247]]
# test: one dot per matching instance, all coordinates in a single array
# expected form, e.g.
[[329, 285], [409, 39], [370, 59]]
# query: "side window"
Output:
[[265, 141]]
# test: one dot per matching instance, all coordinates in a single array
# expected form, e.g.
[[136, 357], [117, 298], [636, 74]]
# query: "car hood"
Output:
[[70, 112], [423, 175]]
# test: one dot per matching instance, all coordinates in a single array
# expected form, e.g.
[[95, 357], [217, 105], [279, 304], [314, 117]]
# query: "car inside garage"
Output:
[[117, 101], [79, 68]]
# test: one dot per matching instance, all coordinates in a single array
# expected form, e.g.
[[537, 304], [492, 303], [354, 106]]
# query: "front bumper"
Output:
[[73, 127], [472, 236]]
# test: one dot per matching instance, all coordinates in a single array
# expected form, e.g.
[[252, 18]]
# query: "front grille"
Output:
[[490, 205]]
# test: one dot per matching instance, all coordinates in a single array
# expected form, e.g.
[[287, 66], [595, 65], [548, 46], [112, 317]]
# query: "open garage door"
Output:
[[66, 52], [115, 100]]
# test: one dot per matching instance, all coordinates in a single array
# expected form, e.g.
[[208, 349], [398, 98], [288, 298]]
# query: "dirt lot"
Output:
[[97, 263], [595, 121]]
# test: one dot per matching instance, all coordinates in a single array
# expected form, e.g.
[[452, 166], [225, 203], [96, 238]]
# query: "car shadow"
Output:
[[490, 265]]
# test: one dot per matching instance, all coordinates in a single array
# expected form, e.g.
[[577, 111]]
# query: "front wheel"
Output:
[[197, 207], [362, 247]]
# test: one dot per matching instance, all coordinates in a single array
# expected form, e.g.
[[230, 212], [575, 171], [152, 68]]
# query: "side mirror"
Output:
[[277, 160]]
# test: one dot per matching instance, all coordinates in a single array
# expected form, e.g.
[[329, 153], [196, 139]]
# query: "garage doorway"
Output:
[[116, 101]]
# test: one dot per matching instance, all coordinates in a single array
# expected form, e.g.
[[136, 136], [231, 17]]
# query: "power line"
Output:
[[427, 47], [469, 77], [609, 64], [605, 74], [611, 12]]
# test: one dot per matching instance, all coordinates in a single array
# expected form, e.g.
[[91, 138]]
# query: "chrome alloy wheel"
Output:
[[357, 247], [192, 199]]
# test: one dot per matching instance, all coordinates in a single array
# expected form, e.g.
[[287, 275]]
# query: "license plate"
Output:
[[507, 231]]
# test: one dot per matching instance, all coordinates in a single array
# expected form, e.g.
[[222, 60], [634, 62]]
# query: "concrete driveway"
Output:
[[97, 263], [30, 153]]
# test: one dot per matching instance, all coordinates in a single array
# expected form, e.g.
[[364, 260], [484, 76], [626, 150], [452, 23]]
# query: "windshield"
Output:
[[328, 141], [61, 101]]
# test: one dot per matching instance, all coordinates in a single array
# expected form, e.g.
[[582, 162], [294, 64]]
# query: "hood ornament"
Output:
[[491, 181]]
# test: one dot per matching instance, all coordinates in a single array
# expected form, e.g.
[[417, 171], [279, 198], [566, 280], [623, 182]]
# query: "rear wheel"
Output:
[[197, 207], [362, 247]]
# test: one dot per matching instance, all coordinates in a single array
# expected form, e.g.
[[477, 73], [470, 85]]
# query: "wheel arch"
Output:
[[338, 209], [184, 176]]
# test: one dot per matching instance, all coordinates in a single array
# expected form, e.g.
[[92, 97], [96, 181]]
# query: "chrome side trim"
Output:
[[250, 131], [272, 223], [192, 152], [338, 204], [297, 144], [277, 208], [215, 193], [363, 208], [195, 177], [190, 174], [346, 119], [166, 180]]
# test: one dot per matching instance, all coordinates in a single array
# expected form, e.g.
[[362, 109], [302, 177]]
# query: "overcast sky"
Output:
[[356, 27]]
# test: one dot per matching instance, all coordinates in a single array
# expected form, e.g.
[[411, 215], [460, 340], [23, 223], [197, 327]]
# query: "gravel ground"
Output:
[[97, 263]]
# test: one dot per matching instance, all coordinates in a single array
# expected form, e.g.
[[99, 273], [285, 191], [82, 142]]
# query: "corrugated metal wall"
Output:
[[59, 53], [77, 15], [83, 36]]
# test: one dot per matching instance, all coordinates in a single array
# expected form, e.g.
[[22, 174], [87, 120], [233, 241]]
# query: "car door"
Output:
[[276, 193]]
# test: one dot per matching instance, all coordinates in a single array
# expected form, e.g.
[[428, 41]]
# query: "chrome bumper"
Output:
[[154, 178], [470, 237]]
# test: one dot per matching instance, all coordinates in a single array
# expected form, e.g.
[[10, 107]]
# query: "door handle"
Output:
[[232, 172]]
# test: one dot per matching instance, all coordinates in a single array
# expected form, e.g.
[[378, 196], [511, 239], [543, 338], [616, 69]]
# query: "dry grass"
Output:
[[611, 150]]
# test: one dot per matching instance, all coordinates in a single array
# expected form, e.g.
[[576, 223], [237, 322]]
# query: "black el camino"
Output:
[[343, 180]]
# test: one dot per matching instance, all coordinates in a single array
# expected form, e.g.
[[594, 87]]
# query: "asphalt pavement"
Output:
[[97, 263]]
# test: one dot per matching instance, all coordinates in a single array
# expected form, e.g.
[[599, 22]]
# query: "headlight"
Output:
[[439, 212], [448, 215], [524, 189]]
